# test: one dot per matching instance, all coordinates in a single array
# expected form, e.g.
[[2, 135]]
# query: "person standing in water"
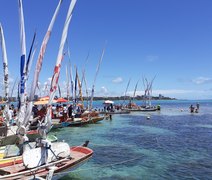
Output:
[[191, 109], [197, 106]]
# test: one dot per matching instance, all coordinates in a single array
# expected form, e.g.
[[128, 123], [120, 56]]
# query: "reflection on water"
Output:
[[172, 144]]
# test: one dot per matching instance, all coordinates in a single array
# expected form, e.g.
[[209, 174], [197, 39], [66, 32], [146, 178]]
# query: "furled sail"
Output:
[[56, 73], [39, 62], [5, 69]]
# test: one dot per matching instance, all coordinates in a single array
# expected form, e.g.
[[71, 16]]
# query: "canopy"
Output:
[[42, 102], [108, 102], [61, 100], [45, 98]]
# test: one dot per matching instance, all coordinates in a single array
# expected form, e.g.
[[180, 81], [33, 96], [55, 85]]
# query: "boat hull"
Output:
[[116, 112], [79, 155]]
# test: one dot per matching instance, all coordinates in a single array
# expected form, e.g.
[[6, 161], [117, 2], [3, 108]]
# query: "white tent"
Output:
[[108, 102]]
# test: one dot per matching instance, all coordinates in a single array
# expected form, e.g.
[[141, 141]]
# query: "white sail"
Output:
[[6, 79], [39, 63], [22, 101], [56, 73], [42, 52]]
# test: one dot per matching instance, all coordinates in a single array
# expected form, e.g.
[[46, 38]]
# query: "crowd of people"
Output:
[[12, 114]]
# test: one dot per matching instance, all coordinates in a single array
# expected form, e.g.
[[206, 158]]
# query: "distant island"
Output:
[[160, 97]]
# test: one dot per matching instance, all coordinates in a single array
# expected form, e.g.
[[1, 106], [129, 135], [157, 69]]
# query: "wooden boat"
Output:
[[142, 109], [92, 116], [12, 138], [149, 109], [132, 109], [85, 118], [3, 130], [96, 119], [56, 124], [17, 170], [75, 122], [10, 154], [115, 112]]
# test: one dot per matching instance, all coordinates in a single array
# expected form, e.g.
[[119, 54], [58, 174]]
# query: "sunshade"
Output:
[[108, 102], [60, 100]]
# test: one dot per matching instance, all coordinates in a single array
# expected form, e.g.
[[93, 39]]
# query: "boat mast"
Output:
[[84, 79], [71, 74], [97, 71], [150, 91], [6, 75], [126, 91], [135, 90], [68, 83]]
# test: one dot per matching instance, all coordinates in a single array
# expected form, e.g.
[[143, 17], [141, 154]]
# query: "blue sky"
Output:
[[171, 39]]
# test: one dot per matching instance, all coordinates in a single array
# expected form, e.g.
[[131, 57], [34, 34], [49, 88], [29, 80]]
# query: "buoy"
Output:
[[148, 117]]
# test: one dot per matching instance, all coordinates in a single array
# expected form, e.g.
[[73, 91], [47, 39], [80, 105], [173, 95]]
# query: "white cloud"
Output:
[[202, 80], [103, 90], [117, 80], [49, 80], [151, 58]]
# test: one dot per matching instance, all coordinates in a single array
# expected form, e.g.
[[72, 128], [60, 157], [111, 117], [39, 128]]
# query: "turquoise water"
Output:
[[172, 144]]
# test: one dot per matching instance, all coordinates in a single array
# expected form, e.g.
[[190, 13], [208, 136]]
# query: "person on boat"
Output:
[[111, 107], [78, 112], [10, 115], [35, 111], [158, 107], [42, 112], [70, 110], [54, 111]]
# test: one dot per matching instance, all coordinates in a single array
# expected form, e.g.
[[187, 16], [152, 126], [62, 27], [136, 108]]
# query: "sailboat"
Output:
[[147, 107], [131, 105], [47, 157]]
